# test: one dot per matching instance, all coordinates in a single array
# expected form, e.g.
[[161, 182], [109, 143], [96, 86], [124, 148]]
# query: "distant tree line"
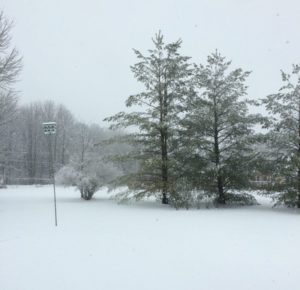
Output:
[[75, 148]]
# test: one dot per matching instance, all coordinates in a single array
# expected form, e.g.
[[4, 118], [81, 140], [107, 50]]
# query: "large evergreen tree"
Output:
[[284, 138], [218, 129], [165, 74]]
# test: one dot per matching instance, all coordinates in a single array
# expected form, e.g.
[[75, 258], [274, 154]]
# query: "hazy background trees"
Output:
[[77, 152]]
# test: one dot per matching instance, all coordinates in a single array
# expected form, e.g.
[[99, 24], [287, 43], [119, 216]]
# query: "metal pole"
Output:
[[50, 129], [54, 191], [53, 179]]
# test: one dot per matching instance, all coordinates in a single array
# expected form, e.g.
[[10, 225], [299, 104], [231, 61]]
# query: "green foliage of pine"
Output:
[[284, 139], [218, 130]]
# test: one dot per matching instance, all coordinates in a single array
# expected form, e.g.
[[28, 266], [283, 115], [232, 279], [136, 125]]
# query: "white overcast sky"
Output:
[[79, 52]]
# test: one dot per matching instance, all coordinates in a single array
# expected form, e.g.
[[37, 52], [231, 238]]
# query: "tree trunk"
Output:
[[221, 197], [163, 142], [220, 183], [164, 160], [164, 169]]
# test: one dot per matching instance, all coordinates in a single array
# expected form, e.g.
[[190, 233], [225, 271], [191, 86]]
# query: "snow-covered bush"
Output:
[[87, 187], [89, 179]]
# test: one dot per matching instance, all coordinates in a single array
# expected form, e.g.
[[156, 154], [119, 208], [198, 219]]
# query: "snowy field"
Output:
[[100, 244]]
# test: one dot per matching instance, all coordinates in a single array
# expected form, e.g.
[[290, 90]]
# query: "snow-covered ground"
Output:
[[100, 244]]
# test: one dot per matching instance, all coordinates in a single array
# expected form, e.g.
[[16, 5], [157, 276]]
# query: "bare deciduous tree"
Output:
[[10, 67], [10, 61]]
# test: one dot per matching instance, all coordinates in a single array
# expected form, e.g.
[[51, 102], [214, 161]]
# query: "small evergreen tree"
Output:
[[284, 138], [165, 75], [218, 130]]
